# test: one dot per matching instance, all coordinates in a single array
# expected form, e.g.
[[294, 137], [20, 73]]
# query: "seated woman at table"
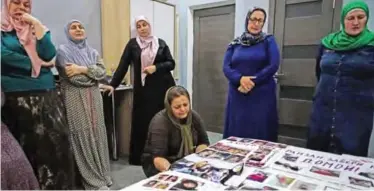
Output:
[[81, 68], [174, 133]]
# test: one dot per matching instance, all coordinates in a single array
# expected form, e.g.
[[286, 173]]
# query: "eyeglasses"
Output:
[[256, 20]]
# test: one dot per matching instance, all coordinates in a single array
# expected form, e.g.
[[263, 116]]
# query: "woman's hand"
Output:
[[72, 69], [200, 148], [161, 164], [150, 69], [246, 83], [29, 19], [106, 88]]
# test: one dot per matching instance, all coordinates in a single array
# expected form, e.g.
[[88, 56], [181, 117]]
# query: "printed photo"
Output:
[[361, 182], [162, 177], [238, 151], [150, 183], [187, 184], [172, 179], [234, 158], [281, 181], [259, 143], [235, 139], [162, 186], [369, 175], [256, 157], [258, 176], [206, 153], [290, 158], [301, 185], [219, 156], [325, 172], [246, 140]]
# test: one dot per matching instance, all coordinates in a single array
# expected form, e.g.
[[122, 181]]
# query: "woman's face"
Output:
[[256, 22], [355, 22], [143, 28], [180, 107], [189, 185], [77, 31], [18, 7]]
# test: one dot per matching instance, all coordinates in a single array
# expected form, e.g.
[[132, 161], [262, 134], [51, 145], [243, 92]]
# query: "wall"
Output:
[[371, 7], [55, 14]]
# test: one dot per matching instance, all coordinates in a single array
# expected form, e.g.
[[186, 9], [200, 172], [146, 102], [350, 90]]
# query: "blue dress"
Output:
[[343, 104], [254, 114]]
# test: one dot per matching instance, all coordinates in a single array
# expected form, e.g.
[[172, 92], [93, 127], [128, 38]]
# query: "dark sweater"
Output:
[[164, 140]]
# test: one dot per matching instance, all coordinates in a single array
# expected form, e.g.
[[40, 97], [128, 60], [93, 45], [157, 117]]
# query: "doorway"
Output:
[[213, 31], [299, 26]]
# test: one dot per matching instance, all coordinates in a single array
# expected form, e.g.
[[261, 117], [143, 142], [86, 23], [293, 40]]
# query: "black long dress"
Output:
[[147, 99]]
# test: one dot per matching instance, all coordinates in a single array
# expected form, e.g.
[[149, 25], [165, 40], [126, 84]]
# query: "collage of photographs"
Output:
[[202, 169], [172, 182], [266, 166]]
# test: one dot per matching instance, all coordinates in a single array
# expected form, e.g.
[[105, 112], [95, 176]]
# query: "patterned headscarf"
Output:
[[76, 51], [248, 39]]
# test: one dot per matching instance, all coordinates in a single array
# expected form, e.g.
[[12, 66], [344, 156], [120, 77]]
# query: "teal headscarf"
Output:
[[341, 40]]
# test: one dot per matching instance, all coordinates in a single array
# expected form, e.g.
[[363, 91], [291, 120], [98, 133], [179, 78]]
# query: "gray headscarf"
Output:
[[76, 51]]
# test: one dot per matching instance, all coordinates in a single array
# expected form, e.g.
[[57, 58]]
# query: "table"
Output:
[[248, 164]]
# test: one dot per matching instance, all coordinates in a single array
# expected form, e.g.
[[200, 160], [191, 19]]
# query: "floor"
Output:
[[125, 175]]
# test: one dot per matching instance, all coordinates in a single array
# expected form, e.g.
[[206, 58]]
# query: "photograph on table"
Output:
[[281, 181], [325, 172], [150, 183], [229, 149], [187, 184], [302, 185], [290, 158], [162, 177], [219, 156], [202, 169], [258, 176], [162, 186], [361, 182], [172, 178], [234, 158], [258, 158], [206, 153]]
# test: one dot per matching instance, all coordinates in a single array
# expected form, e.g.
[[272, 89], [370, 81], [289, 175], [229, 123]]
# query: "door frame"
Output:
[[190, 38], [338, 4]]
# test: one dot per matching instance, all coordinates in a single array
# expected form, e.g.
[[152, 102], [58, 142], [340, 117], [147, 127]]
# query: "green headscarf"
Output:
[[187, 146], [341, 40]]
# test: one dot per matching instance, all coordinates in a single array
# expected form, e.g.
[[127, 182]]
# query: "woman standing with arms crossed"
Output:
[[343, 104], [153, 63], [81, 68], [33, 109], [250, 63]]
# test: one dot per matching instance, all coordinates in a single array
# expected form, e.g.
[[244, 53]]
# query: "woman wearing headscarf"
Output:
[[174, 133], [81, 68], [33, 109], [152, 66], [250, 63], [16, 170], [343, 106]]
